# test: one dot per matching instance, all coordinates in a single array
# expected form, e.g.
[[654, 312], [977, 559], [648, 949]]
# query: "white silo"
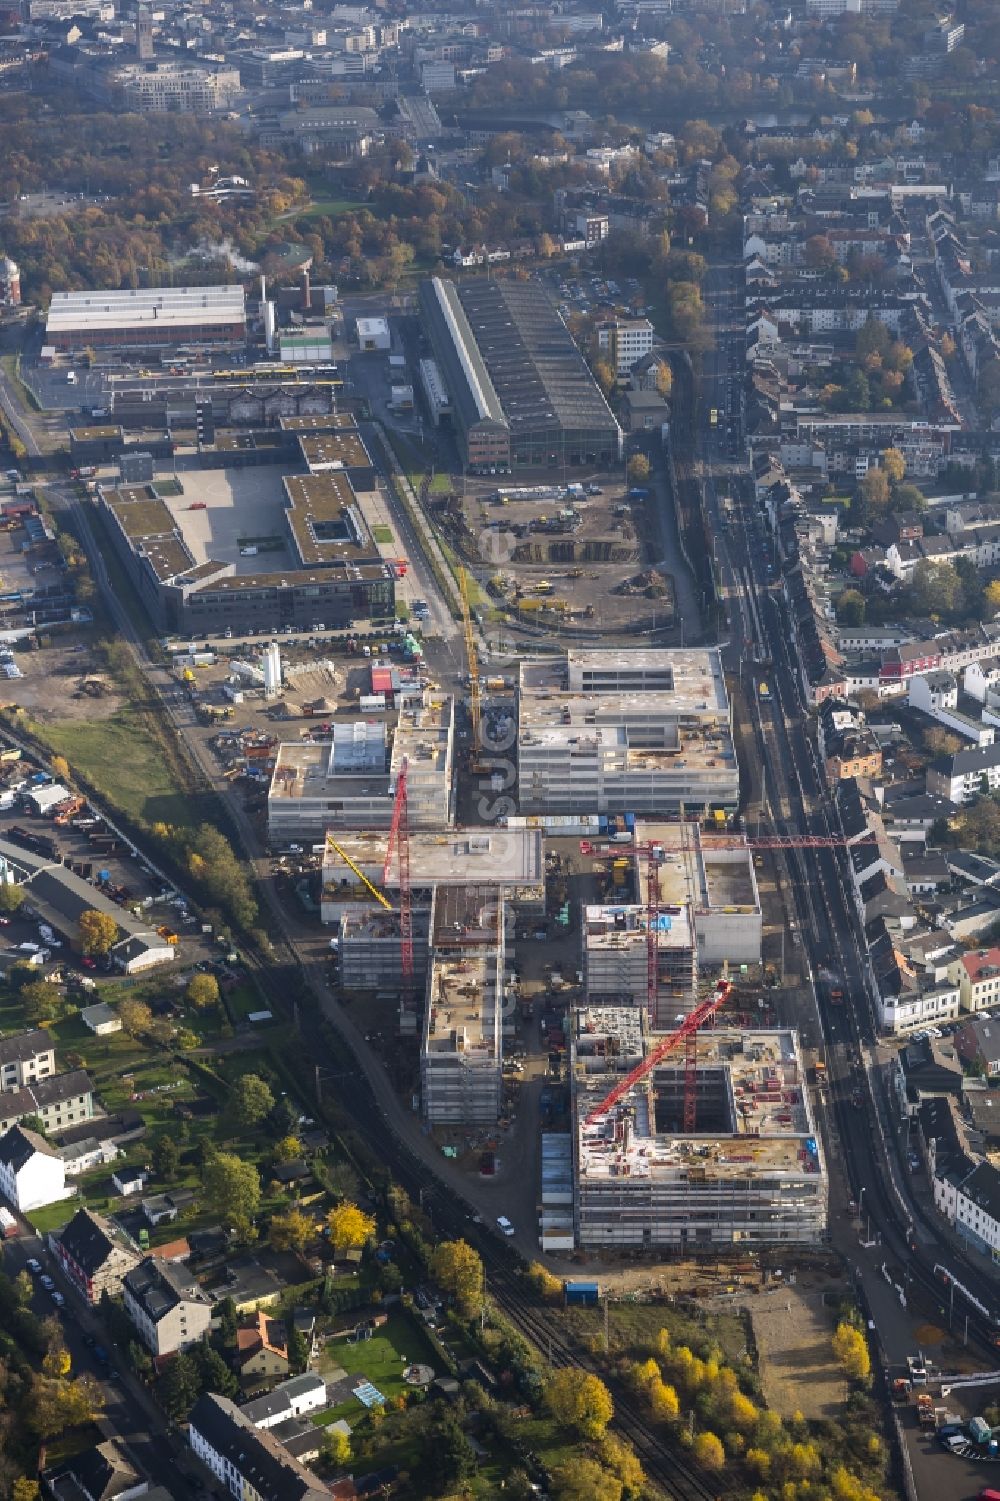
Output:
[[272, 670]]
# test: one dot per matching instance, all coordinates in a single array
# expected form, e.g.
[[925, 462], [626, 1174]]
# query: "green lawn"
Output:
[[328, 206], [383, 534], [124, 763], [381, 1360]]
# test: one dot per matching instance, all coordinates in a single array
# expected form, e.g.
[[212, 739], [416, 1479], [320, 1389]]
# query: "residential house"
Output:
[[91, 1256], [977, 1211], [60, 1101], [167, 1306], [26, 1057], [32, 1173], [923, 1069], [249, 1462], [262, 1350], [941, 1136], [978, 976], [291, 1399], [101, 1473], [978, 1044], [962, 776], [101, 1019]]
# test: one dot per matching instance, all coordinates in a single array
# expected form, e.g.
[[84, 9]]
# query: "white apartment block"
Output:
[[166, 1305], [627, 341], [32, 1174]]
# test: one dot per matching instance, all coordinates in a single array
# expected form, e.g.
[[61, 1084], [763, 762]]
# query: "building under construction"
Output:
[[750, 1173], [461, 1054], [705, 911]]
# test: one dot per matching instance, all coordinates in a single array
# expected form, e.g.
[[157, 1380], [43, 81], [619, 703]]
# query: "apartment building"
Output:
[[609, 732], [26, 1057], [92, 1256], [962, 776], [978, 976], [176, 88], [166, 1305], [249, 1462], [626, 341], [60, 1101], [977, 1210]]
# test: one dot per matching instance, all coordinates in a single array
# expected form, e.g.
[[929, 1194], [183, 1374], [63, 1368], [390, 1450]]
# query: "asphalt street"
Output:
[[875, 1222]]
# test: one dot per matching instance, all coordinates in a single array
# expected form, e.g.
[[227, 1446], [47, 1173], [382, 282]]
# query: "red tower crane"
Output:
[[399, 840], [688, 1029]]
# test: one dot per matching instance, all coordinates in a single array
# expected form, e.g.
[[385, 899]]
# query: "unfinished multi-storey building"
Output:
[[461, 1053], [610, 732], [464, 884], [349, 781], [707, 913], [750, 1174]]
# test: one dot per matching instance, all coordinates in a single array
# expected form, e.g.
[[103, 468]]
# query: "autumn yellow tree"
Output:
[[349, 1227], [664, 1404], [618, 1457], [638, 468], [851, 1349], [60, 768], [98, 931], [458, 1269], [992, 595], [291, 1230], [544, 1282], [894, 465], [708, 1451], [579, 1400]]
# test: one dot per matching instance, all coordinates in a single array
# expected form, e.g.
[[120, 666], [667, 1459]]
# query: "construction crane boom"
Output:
[[687, 1029], [475, 707], [378, 895], [759, 842]]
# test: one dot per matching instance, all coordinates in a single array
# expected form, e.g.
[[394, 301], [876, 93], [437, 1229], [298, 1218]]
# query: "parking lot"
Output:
[[111, 867]]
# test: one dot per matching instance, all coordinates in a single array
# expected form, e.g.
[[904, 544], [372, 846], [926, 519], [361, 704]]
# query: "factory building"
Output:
[[610, 732], [461, 1053], [752, 1173], [520, 391], [350, 781], [147, 318]]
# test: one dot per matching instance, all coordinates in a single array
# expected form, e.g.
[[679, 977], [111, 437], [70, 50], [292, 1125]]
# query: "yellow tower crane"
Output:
[[378, 895], [475, 705]]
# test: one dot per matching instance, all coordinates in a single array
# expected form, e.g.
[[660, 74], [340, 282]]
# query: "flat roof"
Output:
[[78, 312], [465, 977], [325, 520], [611, 926], [337, 449], [450, 858], [696, 679], [761, 1089], [319, 422]]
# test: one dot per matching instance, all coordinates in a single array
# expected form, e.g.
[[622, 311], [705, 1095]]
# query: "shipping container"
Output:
[[585, 1294]]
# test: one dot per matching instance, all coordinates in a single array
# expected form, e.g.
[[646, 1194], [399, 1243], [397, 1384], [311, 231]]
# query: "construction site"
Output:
[[698, 1139]]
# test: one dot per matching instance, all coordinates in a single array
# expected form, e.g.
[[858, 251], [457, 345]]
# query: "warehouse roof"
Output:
[[441, 299], [77, 312], [535, 368]]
